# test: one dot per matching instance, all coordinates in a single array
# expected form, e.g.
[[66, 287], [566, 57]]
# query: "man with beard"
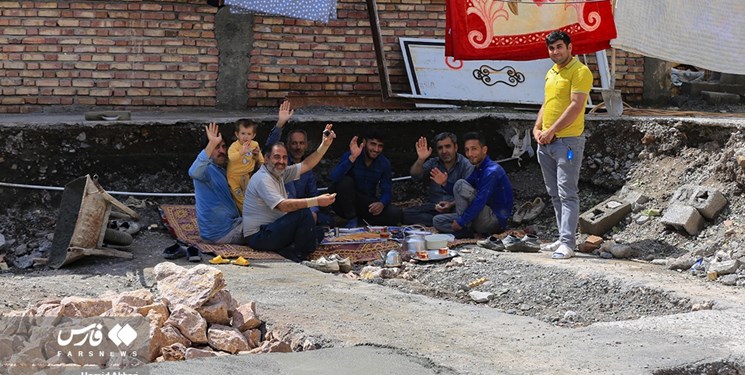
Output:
[[271, 220], [217, 215], [483, 201], [356, 180], [297, 146], [449, 161], [561, 143]]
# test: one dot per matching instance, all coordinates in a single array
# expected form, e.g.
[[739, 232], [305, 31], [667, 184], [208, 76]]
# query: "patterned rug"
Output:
[[181, 221]]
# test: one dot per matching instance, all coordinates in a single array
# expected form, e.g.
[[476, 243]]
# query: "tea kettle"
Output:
[[414, 242], [393, 259]]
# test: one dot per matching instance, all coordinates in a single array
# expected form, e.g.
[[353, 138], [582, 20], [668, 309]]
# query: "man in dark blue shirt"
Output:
[[357, 178], [483, 201]]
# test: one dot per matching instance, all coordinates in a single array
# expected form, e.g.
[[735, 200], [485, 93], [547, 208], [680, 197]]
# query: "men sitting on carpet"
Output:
[[271, 220], [448, 160], [217, 215], [297, 145], [483, 201], [356, 180]]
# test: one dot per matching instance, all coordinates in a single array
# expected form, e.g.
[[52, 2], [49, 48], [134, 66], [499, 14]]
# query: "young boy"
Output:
[[243, 155]]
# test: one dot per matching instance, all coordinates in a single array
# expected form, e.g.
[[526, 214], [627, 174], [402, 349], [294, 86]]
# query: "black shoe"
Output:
[[193, 254], [174, 251]]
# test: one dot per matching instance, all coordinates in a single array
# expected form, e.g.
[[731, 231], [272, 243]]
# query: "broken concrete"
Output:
[[682, 217]]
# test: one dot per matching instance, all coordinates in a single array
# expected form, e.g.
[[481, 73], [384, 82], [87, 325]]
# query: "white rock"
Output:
[[480, 297]]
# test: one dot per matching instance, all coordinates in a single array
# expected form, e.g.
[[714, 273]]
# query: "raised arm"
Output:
[[312, 160], [422, 153]]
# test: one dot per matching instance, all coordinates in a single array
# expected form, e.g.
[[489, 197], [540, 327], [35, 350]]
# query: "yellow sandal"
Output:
[[219, 260], [241, 261]]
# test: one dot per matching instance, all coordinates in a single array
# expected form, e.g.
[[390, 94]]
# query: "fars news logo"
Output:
[[93, 335]]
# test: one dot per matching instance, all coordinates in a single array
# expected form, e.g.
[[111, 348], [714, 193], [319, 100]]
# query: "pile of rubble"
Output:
[[192, 316]]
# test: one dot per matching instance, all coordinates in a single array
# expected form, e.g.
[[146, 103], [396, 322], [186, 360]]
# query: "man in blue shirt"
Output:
[[217, 215], [297, 146], [448, 160], [483, 201], [356, 180]]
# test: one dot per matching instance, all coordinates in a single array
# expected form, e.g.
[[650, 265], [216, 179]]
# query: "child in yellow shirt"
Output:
[[243, 155]]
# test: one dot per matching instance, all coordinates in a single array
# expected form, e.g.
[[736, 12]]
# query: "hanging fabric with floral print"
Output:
[[517, 29]]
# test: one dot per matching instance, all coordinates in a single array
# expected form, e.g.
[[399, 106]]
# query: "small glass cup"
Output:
[[384, 233], [443, 251], [422, 254]]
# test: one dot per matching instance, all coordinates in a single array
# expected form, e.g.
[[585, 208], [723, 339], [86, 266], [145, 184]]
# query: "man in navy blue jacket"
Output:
[[483, 201], [356, 180]]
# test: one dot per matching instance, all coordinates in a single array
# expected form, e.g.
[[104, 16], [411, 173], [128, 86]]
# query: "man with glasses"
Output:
[[447, 161]]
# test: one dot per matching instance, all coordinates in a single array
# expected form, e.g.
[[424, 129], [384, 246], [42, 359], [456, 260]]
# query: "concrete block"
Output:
[[604, 216], [719, 98], [708, 201], [683, 217], [632, 196]]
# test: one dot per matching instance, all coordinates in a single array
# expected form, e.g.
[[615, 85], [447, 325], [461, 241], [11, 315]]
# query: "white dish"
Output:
[[437, 241]]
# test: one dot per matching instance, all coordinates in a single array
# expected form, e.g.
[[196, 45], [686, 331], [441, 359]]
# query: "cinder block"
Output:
[[632, 196], [604, 216], [708, 201], [683, 217], [719, 98]]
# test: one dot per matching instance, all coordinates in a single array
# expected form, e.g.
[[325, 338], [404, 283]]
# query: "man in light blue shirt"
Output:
[[217, 215]]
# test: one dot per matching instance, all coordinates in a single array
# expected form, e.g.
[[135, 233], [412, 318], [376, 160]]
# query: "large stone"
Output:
[[245, 317], [601, 218], [253, 336], [274, 346], [227, 339], [172, 336], [136, 298], [174, 352], [80, 307], [193, 287], [219, 308], [189, 323], [157, 308], [724, 267], [683, 217]]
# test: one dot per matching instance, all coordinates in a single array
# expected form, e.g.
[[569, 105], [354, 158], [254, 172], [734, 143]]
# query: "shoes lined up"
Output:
[[331, 264], [180, 250], [527, 244], [529, 211]]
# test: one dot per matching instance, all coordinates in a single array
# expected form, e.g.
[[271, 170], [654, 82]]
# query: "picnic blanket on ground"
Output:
[[511, 30], [181, 221]]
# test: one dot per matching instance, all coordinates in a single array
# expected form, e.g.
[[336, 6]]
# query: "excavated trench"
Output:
[[154, 157]]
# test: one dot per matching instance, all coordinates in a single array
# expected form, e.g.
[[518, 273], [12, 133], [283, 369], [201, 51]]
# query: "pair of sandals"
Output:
[[240, 261], [559, 251]]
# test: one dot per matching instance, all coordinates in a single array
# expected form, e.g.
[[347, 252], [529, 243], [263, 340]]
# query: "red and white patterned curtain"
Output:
[[516, 30]]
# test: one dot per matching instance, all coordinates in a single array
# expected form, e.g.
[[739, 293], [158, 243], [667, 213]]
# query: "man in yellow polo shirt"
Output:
[[559, 133]]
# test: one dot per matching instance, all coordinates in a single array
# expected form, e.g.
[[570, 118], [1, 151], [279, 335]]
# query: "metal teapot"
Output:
[[393, 259], [414, 242]]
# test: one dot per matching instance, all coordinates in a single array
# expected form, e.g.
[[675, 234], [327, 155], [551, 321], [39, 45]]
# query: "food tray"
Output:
[[434, 255]]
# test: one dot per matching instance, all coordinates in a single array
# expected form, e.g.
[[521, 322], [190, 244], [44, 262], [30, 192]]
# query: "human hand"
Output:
[[246, 148], [213, 134], [444, 207], [326, 199], [546, 137], [355, 149], [375, 208], [441, 178], [255, 152], [284, 113], [422, 151], [328, 135], [456, 226]]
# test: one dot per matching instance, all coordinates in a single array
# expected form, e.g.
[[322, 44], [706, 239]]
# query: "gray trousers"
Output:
[[485, 222], [561, 177]]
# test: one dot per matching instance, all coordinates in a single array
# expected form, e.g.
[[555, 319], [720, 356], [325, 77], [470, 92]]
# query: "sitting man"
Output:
[[448, 160], [483, 201], [297, 145], [271, 220], [356, 179], [217, 215]]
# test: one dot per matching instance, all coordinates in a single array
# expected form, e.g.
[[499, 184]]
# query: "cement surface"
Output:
[[472, 339]]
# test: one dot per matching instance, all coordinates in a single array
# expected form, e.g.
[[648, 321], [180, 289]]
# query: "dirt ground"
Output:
[[650, 157]]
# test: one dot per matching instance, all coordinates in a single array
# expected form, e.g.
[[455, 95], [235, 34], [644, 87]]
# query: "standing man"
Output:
[[217, 215], [559, 133], [483, 201], [356, 179], [448, 160], [271, 220], [297, 146]]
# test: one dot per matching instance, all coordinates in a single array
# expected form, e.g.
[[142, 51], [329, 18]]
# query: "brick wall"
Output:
[[106, 54], [327, 61]]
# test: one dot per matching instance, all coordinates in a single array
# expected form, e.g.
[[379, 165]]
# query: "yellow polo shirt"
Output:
[[560, 84]]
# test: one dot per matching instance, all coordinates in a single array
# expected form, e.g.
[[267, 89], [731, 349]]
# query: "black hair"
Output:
[[443, 135], [269, 149], [372, 133], [245, 123], [475, 136], [557, 35]]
